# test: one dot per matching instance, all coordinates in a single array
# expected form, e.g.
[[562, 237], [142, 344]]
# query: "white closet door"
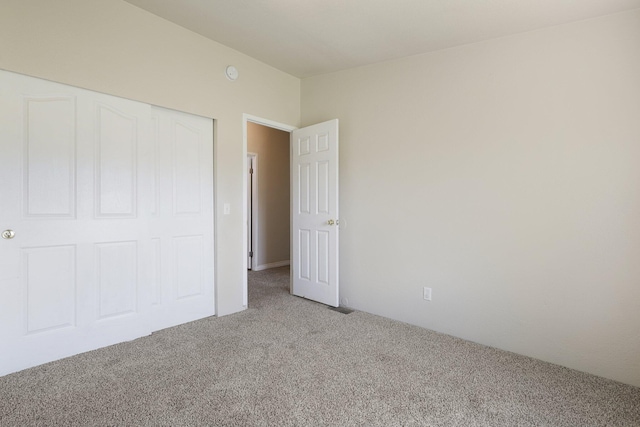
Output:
[[181, 223], [79, 188]]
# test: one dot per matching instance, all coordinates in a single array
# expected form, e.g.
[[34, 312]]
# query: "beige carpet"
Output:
[[291, 362]]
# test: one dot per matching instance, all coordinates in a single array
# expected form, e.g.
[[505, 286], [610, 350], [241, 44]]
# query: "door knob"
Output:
[[8, 234], [331, 222]]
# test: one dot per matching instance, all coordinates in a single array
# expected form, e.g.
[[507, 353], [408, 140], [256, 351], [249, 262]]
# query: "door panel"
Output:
[[49, 134], [186, 144], [117, 279], [188, 258], [49, 287], [315, 212], [116, 150], [87, 183]]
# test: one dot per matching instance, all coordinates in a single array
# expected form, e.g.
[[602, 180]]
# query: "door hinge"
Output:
[[251, 171], [251, 254]]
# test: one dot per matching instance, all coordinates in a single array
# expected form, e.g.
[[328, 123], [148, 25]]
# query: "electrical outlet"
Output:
[[426, 293]]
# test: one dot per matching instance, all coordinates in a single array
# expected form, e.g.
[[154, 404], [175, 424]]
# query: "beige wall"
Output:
[[272, 147], [505, 176], [113, 47]]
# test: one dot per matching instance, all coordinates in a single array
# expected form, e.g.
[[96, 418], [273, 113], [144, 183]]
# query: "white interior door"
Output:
[[314, 177], [79, 187]]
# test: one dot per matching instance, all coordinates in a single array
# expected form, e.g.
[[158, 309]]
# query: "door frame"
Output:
[[254, 211], [245, 247]]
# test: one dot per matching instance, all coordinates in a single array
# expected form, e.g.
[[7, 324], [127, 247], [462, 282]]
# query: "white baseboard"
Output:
[[271, 265]]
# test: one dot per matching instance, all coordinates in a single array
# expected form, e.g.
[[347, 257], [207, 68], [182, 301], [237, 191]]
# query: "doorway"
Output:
[[314, 223], [267, 199], [268, 206]]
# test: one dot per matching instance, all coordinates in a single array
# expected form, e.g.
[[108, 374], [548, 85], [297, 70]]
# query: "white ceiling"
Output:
[[310, 37]]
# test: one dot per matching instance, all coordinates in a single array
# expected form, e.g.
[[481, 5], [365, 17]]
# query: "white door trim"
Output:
[[272, 124]]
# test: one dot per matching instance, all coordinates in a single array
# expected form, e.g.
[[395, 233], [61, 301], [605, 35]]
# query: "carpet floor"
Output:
[[287, 361]]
